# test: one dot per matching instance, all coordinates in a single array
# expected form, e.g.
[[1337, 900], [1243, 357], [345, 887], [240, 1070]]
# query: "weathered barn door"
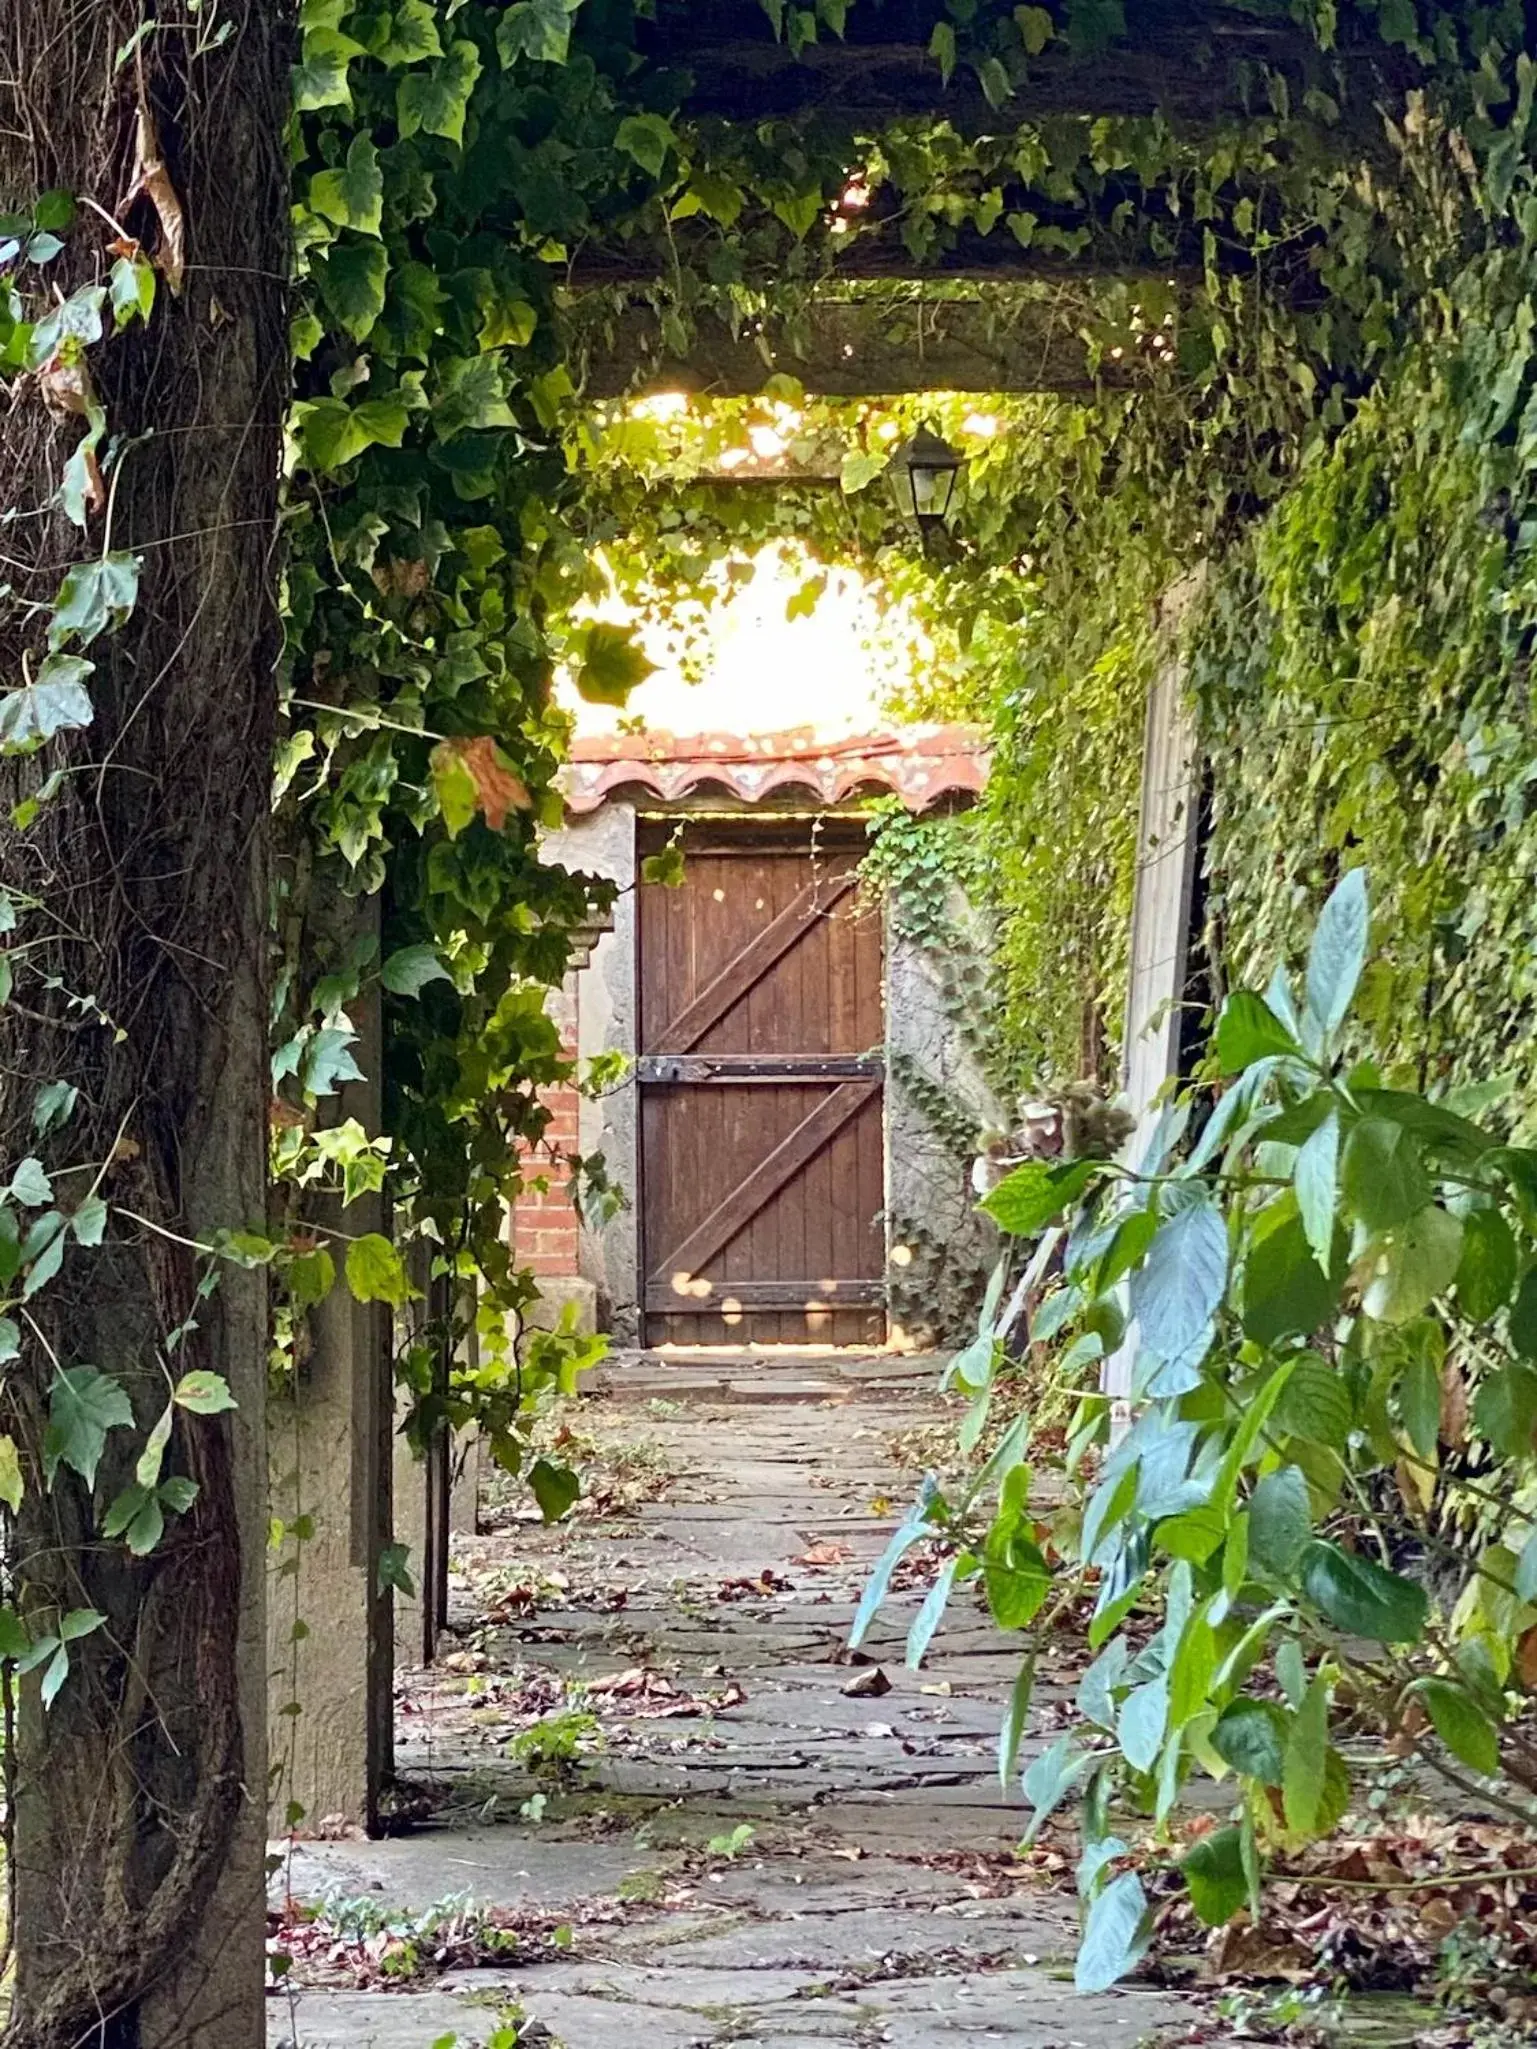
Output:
[[762, 1137]]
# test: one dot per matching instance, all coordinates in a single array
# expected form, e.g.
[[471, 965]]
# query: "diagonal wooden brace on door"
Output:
[[753, 962], [767, 1179]]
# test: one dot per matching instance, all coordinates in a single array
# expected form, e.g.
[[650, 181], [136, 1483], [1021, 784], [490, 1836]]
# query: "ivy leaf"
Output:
[[993, 77], [1339, 952], [1362, 1598], [352, 195], [475, 775], [11, 1484], [394, 1570], [83, 1406], [351, 277], [320, 76], [942, 49], [410, 968], [375, 1272], [554, 1487], [53, 1105], [610, 663], [94, 597], [204, 1394], [30, 1185], [311, 1277], [1215, 1877], [1180, 1286], [472, 395], [56, 701], [537, 29], [1116, 1935], [413, 35], [435, 100], [646, 138]]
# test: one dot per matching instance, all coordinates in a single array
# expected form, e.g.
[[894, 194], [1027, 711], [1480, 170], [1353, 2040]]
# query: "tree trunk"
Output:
[[137, 1800]]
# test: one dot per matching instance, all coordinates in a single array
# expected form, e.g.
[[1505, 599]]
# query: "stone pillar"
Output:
[[330, 1630]]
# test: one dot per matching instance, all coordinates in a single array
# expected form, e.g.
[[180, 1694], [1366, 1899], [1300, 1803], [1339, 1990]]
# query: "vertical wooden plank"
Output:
[[1161, 910]]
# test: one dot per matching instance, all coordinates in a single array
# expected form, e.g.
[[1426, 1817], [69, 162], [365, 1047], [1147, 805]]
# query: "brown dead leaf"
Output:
[[830, 1553], [499, 789], [1526, 1661], [1454, 1406], [66, 386], [400, 578], [284, 1115], [1245, 1952], [152, 181]]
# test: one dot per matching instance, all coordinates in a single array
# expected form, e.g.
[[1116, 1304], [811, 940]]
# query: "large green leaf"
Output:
[[1505, 1410], [1314, 1403], [1487, 1271], [1215, 1877], [1250, 1735], [1316, 1183], [913, 1525], [1051, 1777], [1116, 1935], [1304, 1776], [375, 1272], [410, 968], [1383, 1178], [1338, 952], [1362, 1598], [1285, 1291], [1461, 1724], [1248, 1030], [1180, 1286], [1027, 1199], [83, 1406], [1412, 1265], [1280, 1522]]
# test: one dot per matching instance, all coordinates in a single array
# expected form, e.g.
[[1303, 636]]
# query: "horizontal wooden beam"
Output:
[[848, 349], [873, 254], [729, 1297], [1186, 59]]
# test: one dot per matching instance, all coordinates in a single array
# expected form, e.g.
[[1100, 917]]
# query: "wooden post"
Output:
[[1167, 850]]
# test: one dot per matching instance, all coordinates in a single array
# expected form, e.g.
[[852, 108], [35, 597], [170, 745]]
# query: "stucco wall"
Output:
[[603, 843], [940, 1248]]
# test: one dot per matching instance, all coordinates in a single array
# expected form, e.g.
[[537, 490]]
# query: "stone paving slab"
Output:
[[877, 1900]]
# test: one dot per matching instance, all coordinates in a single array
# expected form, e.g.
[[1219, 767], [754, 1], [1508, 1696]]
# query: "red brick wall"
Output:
[[545, 1228]]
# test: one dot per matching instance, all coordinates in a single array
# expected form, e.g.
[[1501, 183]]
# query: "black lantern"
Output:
[[923, 473]]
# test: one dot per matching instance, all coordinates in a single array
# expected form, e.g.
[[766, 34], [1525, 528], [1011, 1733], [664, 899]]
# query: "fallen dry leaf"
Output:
[[152, 181], [830, 1553], [867, 1685], [66, 386]]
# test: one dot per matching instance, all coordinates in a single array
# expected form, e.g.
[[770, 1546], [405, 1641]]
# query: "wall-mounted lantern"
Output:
[[922, 474]]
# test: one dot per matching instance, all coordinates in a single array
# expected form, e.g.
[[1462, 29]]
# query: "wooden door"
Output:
[[761, 1088]]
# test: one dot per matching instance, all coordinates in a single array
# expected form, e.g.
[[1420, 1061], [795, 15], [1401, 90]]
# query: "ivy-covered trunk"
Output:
[[133, 878]]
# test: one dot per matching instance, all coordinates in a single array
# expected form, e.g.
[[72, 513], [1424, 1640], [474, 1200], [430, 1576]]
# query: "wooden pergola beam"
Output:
[[1187, 59], [845, 349], [872, 255]]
